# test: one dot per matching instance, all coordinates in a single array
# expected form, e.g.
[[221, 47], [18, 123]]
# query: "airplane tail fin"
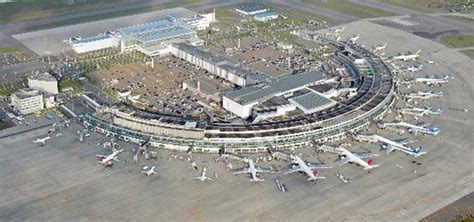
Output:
[[370, 162], [385, 45], [418, 53], [257, 180]]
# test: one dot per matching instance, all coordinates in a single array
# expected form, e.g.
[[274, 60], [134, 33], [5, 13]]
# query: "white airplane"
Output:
[[424, 95], [433, 81], [353, 39], [41, 140], [203, 176], [379, 47], [390, 145], [405, 57], [106, 159], [253, 170], [420, 111], [149, 171], [310, 169], [337, 31], [347, 157], [415, 129], [415, 68]]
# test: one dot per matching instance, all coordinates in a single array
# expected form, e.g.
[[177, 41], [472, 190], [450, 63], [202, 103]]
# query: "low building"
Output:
[[241, 102], [152, 38], [250, 9], [217, 65], [94, 43], [44, 82], [266, 16], [208, 88], [27, 101]]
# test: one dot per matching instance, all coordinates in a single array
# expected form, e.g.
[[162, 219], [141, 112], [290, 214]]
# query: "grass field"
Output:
[[350, 8], [65, 83], [113, 14], [17, 51], [23, 10], [296, 17], [7, 90], [429, 6], [459, 41], [461, 18]]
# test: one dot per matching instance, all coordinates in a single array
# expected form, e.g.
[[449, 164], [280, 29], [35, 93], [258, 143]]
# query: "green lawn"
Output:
[[461, 18], [23, 10], [350, 8], [459, 41], [113, 14], [428, 6], [8, 90], [65, 83], [17, 51]]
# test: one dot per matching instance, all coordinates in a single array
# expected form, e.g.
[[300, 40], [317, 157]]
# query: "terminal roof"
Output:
[[284, 84]]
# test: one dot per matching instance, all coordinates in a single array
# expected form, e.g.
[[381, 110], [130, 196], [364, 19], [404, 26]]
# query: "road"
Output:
[[435, 19], [18, 27]]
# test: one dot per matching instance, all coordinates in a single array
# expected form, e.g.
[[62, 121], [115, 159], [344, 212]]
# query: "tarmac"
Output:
[[62, 180]]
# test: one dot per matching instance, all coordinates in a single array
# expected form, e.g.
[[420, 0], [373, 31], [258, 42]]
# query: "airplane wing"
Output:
[[317, 166], [390, 148], [116, 159], [293, 170], [344, 161], [365, 155], [100, 155], [264, 170], [242, 171], [404, 142]]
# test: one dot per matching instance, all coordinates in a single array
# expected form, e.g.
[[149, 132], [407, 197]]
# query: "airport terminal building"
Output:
[[152, 38], [320, 119]]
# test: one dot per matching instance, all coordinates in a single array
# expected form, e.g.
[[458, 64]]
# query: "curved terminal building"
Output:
[[319, 118]]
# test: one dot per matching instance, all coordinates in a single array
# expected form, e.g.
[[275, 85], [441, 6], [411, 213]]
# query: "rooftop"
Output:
[[43, 76], [284, 84], [157, 30], [265, 14], [251, 7], [311, 101], [90, 39]]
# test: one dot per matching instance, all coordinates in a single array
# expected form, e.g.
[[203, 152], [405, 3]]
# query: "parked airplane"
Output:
[[390, 145], [406, 57], [310, 169], [379, 47], [347, 156], [203, 176], [413, 128], [415, 68], [353, 39], [420, 111], [337, 31], [41, 140], [107, 159], [433, 81], [424, 95], [253, 170], [149, 171]]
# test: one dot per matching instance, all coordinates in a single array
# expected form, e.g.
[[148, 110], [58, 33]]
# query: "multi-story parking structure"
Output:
[[375, 94]]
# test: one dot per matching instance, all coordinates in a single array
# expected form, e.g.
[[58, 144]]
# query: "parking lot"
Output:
[[159, 88]]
